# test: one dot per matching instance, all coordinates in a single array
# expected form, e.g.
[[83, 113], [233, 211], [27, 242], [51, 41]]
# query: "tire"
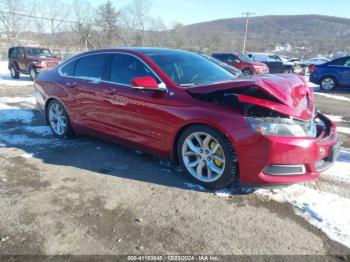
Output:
[[32, 73], [328, 83], [287, 70], [247, 72], [213, 163], [14, 72], [58, 120]]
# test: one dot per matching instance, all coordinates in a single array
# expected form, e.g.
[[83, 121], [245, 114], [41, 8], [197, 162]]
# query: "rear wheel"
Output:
[[14, 72], [288, 70], [207, 157], [247, 72], [328, 83], [58, 119]]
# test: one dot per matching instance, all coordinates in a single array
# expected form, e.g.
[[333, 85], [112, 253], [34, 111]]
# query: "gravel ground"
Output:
[[84, 196]]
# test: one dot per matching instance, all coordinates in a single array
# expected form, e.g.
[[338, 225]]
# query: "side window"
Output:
[[271, 58], [68, 69], [231, 59], [219, 57], [92, 66], [347, 62], [338, 62], [126, 67], [21, 52], [13, 53]]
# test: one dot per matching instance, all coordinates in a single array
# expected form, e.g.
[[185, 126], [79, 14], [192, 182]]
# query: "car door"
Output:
[[133, 115], [21, 59], [274, 63], [83, 81], [340, 68], [345, 72]]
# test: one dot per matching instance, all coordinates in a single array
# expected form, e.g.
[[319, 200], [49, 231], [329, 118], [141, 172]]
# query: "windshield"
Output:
[[187, 69], [38, 52], [245, 58]]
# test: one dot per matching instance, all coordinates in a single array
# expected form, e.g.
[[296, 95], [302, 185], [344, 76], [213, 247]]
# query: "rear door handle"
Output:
[[71, 84]]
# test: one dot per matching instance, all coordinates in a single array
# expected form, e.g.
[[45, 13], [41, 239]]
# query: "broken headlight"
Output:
[[282, 127]]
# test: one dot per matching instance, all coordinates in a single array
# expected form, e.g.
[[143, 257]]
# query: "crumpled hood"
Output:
[[285, 93]]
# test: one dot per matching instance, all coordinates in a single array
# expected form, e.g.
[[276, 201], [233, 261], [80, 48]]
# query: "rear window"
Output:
[[92, 66], [68, 69]]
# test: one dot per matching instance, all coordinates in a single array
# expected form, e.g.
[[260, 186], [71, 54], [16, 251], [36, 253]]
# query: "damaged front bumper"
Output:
[[266, 160]]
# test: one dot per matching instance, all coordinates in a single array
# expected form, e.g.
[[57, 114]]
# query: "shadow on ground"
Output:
[[27, 130]]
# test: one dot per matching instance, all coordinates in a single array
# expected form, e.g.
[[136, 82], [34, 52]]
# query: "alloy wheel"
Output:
[[57, 118], [203, 157], [328, 83]]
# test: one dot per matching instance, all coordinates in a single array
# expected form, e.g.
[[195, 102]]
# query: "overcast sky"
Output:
[[194, 11]]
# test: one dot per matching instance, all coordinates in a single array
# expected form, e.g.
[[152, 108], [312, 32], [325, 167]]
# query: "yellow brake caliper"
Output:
[[218, 153]]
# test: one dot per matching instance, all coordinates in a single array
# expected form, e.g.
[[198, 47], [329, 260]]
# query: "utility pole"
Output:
[[247, 14]]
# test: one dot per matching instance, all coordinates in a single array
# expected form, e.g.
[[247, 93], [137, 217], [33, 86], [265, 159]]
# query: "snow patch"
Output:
[[18, 100], [341, 169], [336, 97], [27, 156], [335, 118], [343, 130], [6, 79], [39, 130], [194, 186], [328, 212]]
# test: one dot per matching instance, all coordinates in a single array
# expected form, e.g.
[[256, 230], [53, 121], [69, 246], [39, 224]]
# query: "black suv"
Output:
[[274, 62]]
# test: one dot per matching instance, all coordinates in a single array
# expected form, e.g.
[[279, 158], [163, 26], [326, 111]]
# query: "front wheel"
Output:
[[58, 119], [33, 74], [247, 72], [207, 157], [288, 70]]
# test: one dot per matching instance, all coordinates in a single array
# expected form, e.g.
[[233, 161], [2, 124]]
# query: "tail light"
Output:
[[312, 68]]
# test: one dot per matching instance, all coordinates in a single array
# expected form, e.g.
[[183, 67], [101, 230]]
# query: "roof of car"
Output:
[[34, 47], [143, 50]]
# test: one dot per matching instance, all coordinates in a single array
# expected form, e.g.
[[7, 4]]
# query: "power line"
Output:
[[40, 17], [61, 20], [247, 14]]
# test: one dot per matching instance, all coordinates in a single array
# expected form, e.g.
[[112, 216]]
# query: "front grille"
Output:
[[50, 64]]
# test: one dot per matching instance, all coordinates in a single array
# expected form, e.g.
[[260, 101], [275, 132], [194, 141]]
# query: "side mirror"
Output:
[[147, 83]]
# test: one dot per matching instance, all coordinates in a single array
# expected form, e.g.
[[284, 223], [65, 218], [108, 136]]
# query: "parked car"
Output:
[[333, 74], [229, 68], [30, 60], [315, 61], [243, 63], [274, 62], [179, 105]]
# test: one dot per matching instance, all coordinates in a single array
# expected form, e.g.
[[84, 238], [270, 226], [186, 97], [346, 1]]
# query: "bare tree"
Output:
[[106, 20], [57, 12], [156, 35], [177, 36], [135, 17], [83, 26], [12, 24]]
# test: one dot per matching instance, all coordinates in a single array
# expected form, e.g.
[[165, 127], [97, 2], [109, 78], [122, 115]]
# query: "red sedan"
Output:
[[181, 106]]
